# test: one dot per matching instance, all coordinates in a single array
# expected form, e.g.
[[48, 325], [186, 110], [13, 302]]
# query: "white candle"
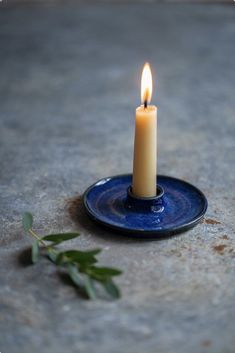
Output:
[[145, 146]]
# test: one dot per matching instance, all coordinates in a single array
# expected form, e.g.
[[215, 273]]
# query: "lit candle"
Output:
[[145, 147]]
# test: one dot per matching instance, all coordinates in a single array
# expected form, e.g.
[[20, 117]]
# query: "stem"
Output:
[[41, 241], [37, 237]]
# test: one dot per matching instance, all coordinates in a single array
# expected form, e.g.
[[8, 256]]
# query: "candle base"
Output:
[[177, 207]]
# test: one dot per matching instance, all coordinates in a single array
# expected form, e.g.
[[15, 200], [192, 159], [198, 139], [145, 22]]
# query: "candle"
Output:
[[145, 146]]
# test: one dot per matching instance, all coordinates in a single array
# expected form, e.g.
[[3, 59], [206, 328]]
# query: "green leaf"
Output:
[[89, 287], [81, 257], [27, 221], [90, 252], [106, 271], [35, 252], [112, 289], [75, 276], [58, 238]]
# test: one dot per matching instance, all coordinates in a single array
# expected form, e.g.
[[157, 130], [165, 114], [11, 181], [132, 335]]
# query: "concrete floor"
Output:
[[70, 81]]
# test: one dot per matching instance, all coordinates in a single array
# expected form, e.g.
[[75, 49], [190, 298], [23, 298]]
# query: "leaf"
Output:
[[75, 276], [106, 271], [112, 289], [90, 252], [27, 221], [89, 287], [58, 238], [35, 252], [81, 257]]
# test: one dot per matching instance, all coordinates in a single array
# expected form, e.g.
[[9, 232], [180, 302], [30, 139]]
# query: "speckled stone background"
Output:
[[69, 80]]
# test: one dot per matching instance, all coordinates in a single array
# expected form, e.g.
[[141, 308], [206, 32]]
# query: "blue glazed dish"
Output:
[[177, 207]]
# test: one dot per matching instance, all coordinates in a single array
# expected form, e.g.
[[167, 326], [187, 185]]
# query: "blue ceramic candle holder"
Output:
[[177, 206]]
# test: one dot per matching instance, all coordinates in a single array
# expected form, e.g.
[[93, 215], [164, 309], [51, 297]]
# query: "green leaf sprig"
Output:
[[80, 265]]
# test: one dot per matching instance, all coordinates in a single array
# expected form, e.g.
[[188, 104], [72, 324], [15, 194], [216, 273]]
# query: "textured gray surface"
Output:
[[69, 80]]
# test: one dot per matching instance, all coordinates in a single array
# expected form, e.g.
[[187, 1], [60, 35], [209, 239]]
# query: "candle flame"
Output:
[[146, 84]]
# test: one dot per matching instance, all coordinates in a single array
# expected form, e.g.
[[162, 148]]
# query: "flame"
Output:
[[146, 84]]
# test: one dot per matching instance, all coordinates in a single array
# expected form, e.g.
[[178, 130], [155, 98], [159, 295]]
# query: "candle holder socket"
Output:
[[146, 204]]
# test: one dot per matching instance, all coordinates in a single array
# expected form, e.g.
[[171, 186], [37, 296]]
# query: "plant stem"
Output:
[[37, 237], [41, 241]]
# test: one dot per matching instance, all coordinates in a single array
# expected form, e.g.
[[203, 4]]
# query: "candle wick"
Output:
[[145, 104]]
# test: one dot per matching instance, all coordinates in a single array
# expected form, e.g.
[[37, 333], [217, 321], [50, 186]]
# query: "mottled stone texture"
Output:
[[69, 80]]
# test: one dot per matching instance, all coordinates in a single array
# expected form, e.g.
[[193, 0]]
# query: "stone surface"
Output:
[[70, 77]]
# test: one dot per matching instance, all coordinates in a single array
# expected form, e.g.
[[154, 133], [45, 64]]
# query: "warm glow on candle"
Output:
[[146, 84]]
